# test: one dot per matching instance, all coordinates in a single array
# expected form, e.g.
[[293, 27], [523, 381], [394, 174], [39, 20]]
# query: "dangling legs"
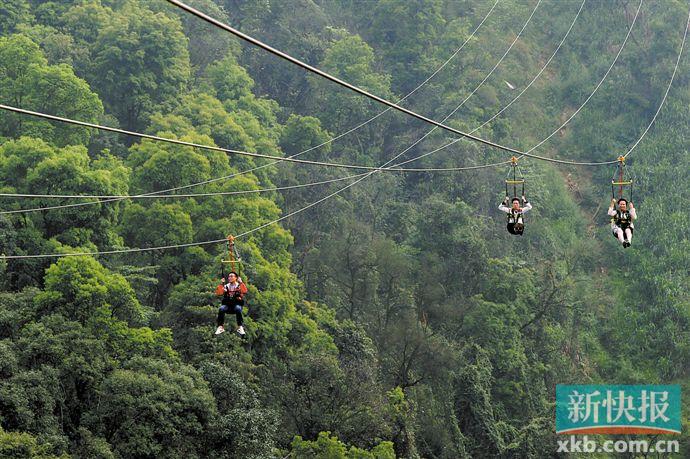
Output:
[[220, 320], [519, 226], [628, 236], [516, 228], [618, 233], [238, 316]]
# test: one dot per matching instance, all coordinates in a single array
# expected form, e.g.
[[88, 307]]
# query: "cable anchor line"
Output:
[[365, 93], [332, 78], [380, 169], [224, 150]]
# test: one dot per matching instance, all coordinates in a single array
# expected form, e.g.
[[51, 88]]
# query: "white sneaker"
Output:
[[220, 330], [241, 331]]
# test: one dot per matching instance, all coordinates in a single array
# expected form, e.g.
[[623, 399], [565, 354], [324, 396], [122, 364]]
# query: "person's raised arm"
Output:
[[526, 205], [503, 207], [612, 208]]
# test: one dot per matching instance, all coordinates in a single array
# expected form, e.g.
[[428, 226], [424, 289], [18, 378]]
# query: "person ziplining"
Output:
[[364, 175], [516, 222], [622, 217], [622, 220], [233, 292]]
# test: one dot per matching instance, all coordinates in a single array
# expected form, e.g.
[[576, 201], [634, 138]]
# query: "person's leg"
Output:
[[519, 225], [220, 320], [511, 228], [238, 314], [628, 234], [619, 234]]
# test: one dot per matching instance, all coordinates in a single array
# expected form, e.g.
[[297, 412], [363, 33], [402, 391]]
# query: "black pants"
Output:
[[230, 304], [516, 228]]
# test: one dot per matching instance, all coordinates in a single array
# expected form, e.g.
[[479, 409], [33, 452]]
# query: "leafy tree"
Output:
[[78, 286], [207, 42], [158, 225], [85, 20], [13, 13], [210, 118], [278, 24], [88, 445], [304, 132], [412, 27], [170, 403], [227, 80], [473, 406], [158, 167], [401, 415], [144, 55], [233, 86], [351, 59], [327, 446], [32, 165], [243, 426], [27, 81], [17, 445], [58, 47], [70, 170]]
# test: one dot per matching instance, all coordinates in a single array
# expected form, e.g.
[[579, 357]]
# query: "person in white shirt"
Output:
[[516, 224], [622, 221]]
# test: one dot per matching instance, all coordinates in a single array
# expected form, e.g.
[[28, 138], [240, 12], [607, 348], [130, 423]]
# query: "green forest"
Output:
[[393, 318]]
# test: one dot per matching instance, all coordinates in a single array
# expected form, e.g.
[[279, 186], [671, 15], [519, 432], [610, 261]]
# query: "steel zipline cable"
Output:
[[114, 198], [134, 250], [248, 232], [668, 89], [570, 118], [418, 87], [117, 198], [292, 159], [244, 234], [362, 92], [278, 160]]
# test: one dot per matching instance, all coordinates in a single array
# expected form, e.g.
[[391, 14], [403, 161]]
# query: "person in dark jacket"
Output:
[[234, 291]]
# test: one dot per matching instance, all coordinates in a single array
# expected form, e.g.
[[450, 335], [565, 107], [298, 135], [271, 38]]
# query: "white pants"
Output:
[[622, 235]]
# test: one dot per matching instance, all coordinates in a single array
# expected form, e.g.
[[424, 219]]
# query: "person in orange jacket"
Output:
[[234, 291]]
